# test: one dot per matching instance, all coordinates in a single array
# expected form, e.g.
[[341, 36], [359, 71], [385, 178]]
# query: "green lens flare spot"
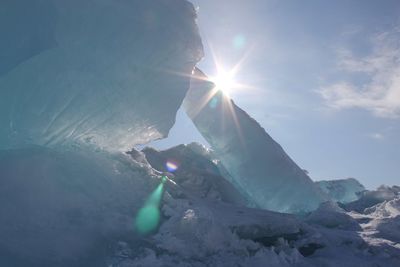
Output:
[[155, 197], [147, 219], [239, 41]]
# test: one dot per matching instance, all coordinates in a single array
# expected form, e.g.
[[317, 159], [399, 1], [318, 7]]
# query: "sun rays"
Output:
[[217, 95], [214, 91], [224, 81]]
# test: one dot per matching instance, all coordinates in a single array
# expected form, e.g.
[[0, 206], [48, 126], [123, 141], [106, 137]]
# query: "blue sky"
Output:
[[325, 78]]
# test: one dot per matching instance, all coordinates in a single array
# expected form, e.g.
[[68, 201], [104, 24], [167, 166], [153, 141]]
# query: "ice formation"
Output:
[[196, 172], [61, 208], [342, 190], [368, 198], [385, 220], [201, 229], [258, 165], [106, 73], [82, 80]]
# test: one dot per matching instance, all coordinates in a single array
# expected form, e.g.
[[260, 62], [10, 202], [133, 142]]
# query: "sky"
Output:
[[323, 80]]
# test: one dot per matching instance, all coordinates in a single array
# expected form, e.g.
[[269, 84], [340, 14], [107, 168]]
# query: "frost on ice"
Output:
[[258, 165]]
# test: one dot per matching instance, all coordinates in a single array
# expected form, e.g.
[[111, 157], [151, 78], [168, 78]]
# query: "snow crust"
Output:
[[77, 208], [370, 198], [202, 231]]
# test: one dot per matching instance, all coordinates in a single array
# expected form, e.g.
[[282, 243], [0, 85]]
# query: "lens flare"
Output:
[[148, 217], [239, 41], [171, 166]]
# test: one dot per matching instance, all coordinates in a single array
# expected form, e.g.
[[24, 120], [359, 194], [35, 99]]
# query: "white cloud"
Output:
[[377, 136], [381, 94]]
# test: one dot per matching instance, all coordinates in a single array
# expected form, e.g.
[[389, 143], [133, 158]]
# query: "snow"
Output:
[[257, 164], [77, 208], [65, 206], [332, 216], [342, 190], [384, 220], [204, 231], [196, 172], [108, 74], [370, 198], [386, 209]]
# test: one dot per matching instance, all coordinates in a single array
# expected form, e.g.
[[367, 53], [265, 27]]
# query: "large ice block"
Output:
[[102, 72], [258, 164]]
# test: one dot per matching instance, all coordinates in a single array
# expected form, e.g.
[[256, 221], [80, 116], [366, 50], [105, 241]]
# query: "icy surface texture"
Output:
[[373, 197], [102, 72], [202, 231], [332, 216], [343, 190], [196, 172], [64, 208], [383, 220], [78, 208], [255, 161]]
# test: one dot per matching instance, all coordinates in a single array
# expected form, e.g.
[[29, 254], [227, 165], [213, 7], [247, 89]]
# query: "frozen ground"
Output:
[[201, 230], [74, 208]]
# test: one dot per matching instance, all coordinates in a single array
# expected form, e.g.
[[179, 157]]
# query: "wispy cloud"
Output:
[[381, 94], [377, 136]]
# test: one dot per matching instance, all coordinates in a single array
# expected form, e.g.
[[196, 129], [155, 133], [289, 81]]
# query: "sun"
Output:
[[224, 81]]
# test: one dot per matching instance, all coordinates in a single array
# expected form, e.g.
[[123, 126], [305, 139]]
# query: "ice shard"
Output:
[[342, 190], [106, 73], [258, 164]]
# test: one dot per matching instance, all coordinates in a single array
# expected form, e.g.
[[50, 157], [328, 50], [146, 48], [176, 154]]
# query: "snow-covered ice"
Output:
[[196, 172], [370, 198], [205, 231], [61, 208]]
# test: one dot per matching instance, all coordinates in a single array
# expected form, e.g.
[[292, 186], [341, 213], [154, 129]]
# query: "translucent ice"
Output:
[[109, 73], [258, 164], [76, 76], [342, 190]]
